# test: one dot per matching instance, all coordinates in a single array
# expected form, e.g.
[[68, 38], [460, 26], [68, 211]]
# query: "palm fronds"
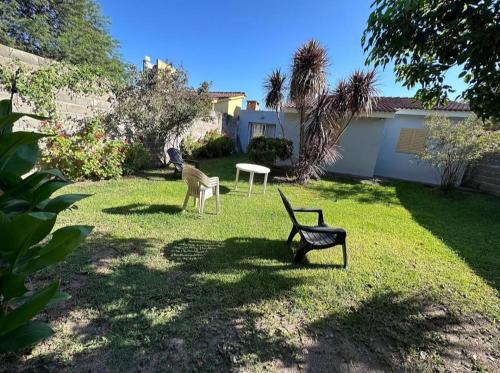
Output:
[[308, 73], [274, 87]]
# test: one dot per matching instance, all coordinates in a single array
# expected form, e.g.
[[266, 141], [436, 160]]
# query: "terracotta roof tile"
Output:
[[393, 104]]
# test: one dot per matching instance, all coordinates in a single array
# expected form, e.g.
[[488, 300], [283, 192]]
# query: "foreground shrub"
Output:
[[136, 157], [86, 154], [451, 147], [27, 217], [212, 145], [266, 151]]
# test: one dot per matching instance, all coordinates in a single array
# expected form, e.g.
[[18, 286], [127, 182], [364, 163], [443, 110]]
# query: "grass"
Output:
[[157, 289]]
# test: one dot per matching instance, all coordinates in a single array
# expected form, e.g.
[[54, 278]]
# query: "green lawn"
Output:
[[157, 289]]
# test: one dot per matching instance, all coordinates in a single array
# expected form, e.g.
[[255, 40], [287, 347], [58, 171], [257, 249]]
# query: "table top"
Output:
[[249, 167]]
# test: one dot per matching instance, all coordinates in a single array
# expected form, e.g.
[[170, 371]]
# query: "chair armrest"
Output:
[[196, 163], [213, 181], [308, 209], [321, 229]]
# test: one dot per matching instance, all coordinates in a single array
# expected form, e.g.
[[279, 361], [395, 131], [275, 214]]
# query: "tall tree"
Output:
[[158, 105], [308, 81], [426, 38], [74, 31], [274, 86]]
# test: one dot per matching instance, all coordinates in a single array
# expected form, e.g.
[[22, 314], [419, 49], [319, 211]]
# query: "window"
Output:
[[411, 140], [262, 129]]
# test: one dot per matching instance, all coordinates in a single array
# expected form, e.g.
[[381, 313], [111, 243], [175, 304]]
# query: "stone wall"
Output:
[[71, 107]]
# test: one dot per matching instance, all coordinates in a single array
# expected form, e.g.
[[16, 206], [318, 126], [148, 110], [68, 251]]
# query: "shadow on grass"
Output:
[[192, 312], [364, 191], [389, 332], [466, 222], [142, 209], [193, 309]]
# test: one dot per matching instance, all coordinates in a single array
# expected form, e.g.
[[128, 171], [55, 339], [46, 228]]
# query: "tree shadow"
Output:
[[142, 209], [466, 222], [192, 313], [390, 332], [364, 191]]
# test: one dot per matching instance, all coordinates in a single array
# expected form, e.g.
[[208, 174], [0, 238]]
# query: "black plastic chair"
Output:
[[175, 158], [316, 237]]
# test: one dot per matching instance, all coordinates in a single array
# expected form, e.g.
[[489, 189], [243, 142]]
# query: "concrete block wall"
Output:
[[72, 107]]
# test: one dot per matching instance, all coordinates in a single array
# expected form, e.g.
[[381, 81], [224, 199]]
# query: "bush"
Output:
[[190, 148], [266, 151], [136, 157], [451, 147], [212, 145], [86, 154]]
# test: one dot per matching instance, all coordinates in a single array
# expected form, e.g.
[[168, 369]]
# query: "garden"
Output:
[[104, 266], [153, 288]]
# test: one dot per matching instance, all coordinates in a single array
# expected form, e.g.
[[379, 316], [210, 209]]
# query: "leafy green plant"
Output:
[[451, 147], [27, 217], [266, 151], [86, 154], [212, 145], [190, 147], [217, 145], [136, 157]]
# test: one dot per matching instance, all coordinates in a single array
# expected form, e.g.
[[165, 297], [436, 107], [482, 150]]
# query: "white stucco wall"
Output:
[[259, 116], [359, 144], [403, 166]]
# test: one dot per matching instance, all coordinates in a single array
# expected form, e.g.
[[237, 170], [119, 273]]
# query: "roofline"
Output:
[[416, 112]]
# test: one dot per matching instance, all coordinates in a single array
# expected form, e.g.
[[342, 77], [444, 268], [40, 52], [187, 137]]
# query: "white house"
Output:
[[383, 144]]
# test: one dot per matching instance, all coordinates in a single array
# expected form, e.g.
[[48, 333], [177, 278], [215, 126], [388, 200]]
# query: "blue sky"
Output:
[[235, 44]]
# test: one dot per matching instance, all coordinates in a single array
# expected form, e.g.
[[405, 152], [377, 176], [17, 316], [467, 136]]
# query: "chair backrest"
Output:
[[175, 156], [289, 209], [194, 178]]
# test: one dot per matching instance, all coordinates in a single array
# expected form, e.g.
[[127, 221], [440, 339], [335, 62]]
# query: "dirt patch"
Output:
[[455, 344]]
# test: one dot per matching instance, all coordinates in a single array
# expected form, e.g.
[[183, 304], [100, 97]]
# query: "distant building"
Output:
[[159, 65], [227, 102]]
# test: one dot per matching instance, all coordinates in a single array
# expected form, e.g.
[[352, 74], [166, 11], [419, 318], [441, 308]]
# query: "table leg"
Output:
[[237, 176], [265, 182], [250, 184]]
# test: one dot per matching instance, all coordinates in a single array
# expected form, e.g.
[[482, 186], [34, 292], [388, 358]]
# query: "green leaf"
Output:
[[60, 297], [61, 203], [33, 305], [5, 107], [22, 231], [11, 142], [46, 190], [23, 160], [63, 242], [24, 336], [12, 285]]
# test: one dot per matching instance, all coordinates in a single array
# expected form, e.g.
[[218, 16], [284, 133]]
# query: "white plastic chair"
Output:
[[200, 187]]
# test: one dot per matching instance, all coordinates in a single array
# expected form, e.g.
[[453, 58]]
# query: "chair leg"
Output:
[[217, 199], [291, 236], [202, 203], [344, 251], [186, 200], [304, 248]]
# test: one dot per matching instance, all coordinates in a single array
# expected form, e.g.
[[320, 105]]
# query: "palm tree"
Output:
[[329, 116], [308, 81], [274, 87]]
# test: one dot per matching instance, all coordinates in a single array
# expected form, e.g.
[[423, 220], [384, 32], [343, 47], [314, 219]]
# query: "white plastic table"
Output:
[[253, 169]]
